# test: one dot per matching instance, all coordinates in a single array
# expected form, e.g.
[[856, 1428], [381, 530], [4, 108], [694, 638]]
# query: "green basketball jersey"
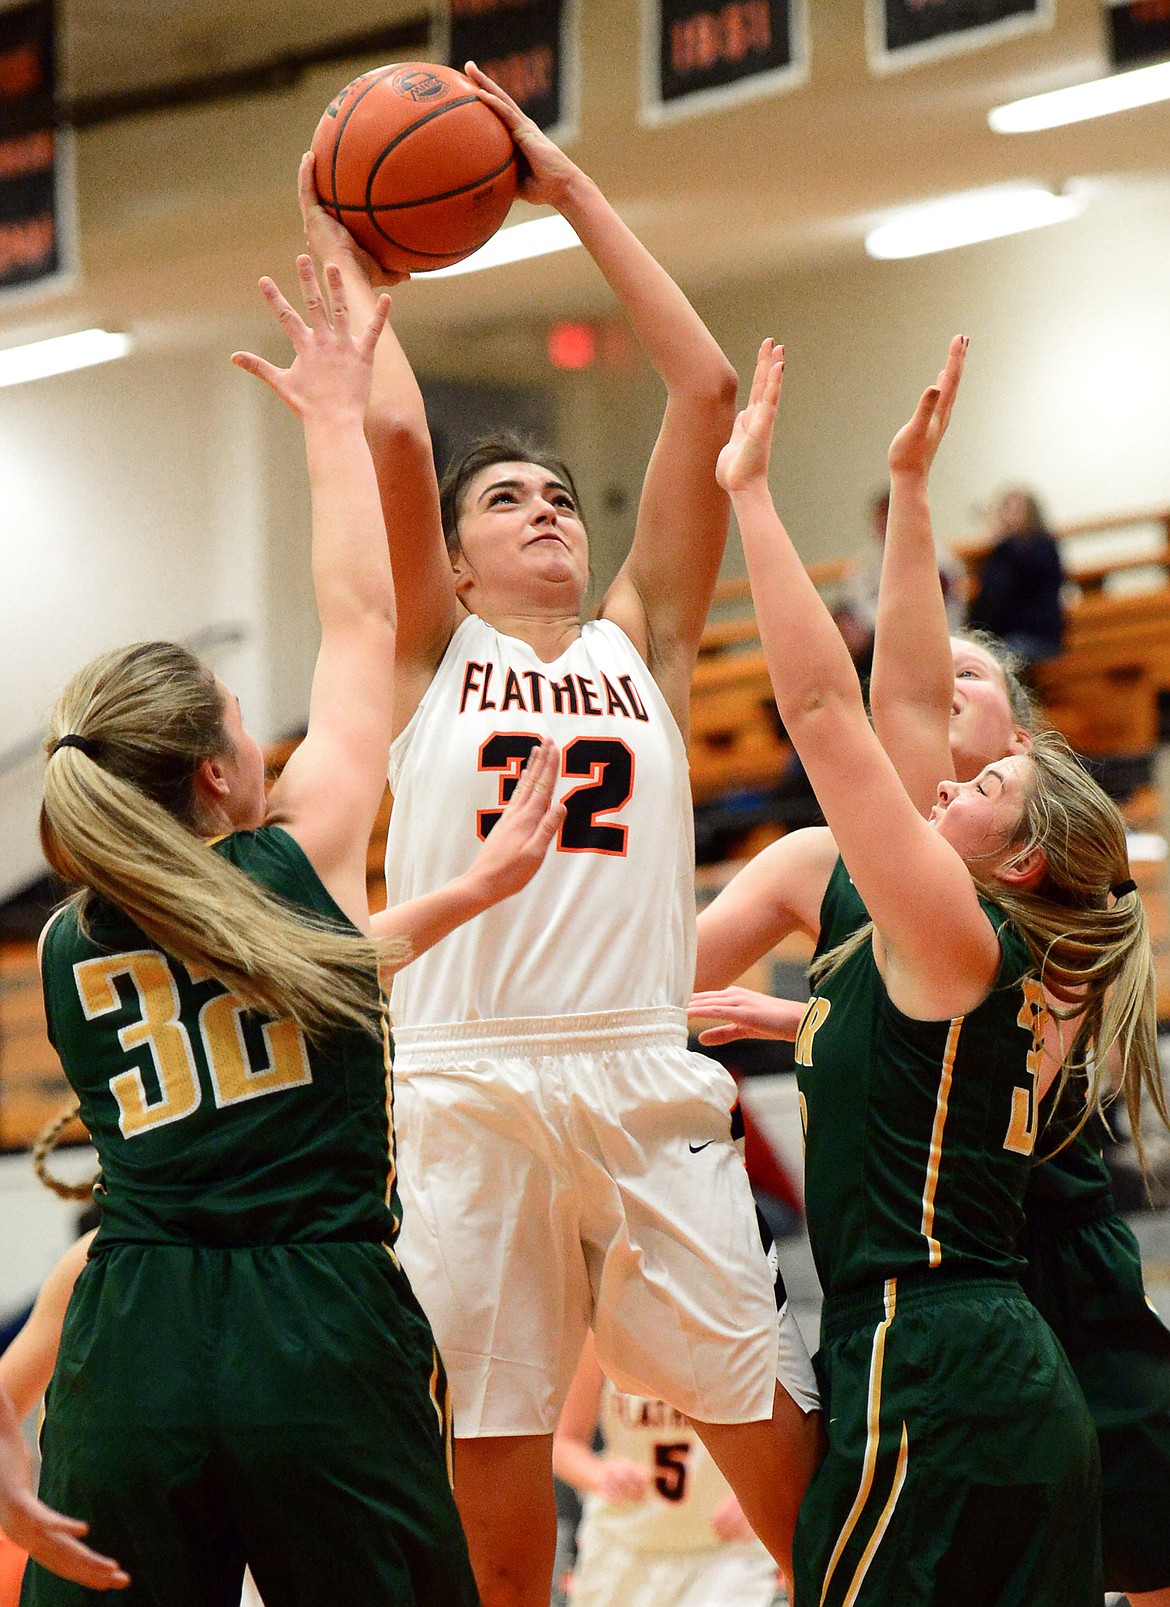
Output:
[[1067, 1177], [919, 1134], [214, 1124]]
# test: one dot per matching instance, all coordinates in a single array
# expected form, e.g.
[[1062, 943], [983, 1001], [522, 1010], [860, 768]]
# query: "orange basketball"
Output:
[[414, 164]]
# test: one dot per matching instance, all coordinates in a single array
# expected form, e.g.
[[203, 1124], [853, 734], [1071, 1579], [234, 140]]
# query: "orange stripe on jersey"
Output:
[[936, 1140]]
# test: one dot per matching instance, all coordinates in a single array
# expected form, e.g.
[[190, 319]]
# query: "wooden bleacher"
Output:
[[32, 1085], [1103, 691]]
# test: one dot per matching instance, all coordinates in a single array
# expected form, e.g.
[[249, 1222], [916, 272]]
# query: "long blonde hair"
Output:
[[119, 821], [1090, 946]]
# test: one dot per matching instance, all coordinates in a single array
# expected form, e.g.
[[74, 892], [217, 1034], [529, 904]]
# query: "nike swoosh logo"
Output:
[[695, 1148]]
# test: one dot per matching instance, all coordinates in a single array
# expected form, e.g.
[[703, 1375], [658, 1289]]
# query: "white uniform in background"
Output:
[[663, 1551], [565, 1160]]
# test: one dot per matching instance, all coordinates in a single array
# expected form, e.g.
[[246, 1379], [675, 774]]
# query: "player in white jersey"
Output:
[[661, 1526], [572, 1164]]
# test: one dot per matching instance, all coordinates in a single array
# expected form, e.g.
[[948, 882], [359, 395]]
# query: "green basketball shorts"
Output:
[[962, 1467], [1084, 1275], [280, 1406]]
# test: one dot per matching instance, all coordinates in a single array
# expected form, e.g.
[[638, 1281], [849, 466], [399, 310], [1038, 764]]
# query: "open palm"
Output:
[[745, 457]]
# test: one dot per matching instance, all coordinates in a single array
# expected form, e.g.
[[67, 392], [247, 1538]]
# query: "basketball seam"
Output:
[[424, 200], [436, 111], [376, 78], [370, 209]]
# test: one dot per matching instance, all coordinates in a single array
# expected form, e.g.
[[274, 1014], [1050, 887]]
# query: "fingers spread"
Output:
[[252, 364], [376, 325], [311, 292], [337, 299]]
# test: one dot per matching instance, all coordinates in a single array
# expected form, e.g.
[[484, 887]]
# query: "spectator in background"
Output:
[[1018, 590], [856, 610]]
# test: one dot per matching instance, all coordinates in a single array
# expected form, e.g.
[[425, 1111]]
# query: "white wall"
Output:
[[139, 503], [1067, 386]]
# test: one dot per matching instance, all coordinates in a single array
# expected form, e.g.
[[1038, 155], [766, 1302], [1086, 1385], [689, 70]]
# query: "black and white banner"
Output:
[[36, 188], [698, 54], [529, 47], [902, 32]]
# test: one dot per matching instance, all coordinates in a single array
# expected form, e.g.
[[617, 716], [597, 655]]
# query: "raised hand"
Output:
[[331, 370], [913, 448], [745, 1014], [548, 170], [328, 240], [518, 842], [744, 459], [49, 1537]]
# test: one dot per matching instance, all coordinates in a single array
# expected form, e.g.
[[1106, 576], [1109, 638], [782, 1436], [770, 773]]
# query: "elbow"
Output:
[[713, 384], [816, 713], [395, 430]]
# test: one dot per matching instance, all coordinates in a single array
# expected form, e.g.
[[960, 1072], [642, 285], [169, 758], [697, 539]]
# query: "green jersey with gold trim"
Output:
[[1072, 1175], [214, 1124], [919, 1134]]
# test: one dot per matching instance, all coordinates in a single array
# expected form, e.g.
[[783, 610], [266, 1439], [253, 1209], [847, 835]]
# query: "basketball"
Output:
[[414, 165]]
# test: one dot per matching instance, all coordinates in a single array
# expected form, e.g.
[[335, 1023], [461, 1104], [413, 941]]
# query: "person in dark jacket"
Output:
[[1018, 596]]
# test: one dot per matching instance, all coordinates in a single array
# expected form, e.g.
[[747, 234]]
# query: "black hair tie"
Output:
[[72, 740], [1120, 889]]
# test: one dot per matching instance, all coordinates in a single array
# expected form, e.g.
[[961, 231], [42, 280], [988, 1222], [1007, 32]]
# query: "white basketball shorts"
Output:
[[735, 1575], [565, 1172]]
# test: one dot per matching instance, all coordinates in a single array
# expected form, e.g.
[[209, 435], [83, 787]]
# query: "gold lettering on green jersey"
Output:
[[233, 1076], [811, 1022], [158, 1027], [1025, 1118]]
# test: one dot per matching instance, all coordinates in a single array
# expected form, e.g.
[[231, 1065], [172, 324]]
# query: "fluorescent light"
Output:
[[523, 240], [60, 355], [961, 220], [1119, 93]]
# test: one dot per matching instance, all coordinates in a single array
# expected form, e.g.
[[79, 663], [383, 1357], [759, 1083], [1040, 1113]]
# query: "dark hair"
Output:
[[1034, 520], [503, 446]]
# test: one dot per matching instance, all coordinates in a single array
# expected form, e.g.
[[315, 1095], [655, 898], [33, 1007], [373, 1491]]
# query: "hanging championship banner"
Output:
[[36, 191], [902, 32], [1139, 32], [528, 47], [702, 53]]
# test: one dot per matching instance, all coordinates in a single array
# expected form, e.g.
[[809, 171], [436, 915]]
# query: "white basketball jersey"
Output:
[[685, 1484], [608, 921]]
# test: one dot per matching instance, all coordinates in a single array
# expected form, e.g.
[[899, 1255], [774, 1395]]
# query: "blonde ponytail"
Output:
[[46, 1143], [1086, 929], [118, 820]]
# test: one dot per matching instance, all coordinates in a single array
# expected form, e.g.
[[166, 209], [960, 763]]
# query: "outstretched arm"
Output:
[[27, 1365], [508, 860], [400, 441], [329, 792], [935, 938], [663, 592], [777, 893], [912, 684]]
